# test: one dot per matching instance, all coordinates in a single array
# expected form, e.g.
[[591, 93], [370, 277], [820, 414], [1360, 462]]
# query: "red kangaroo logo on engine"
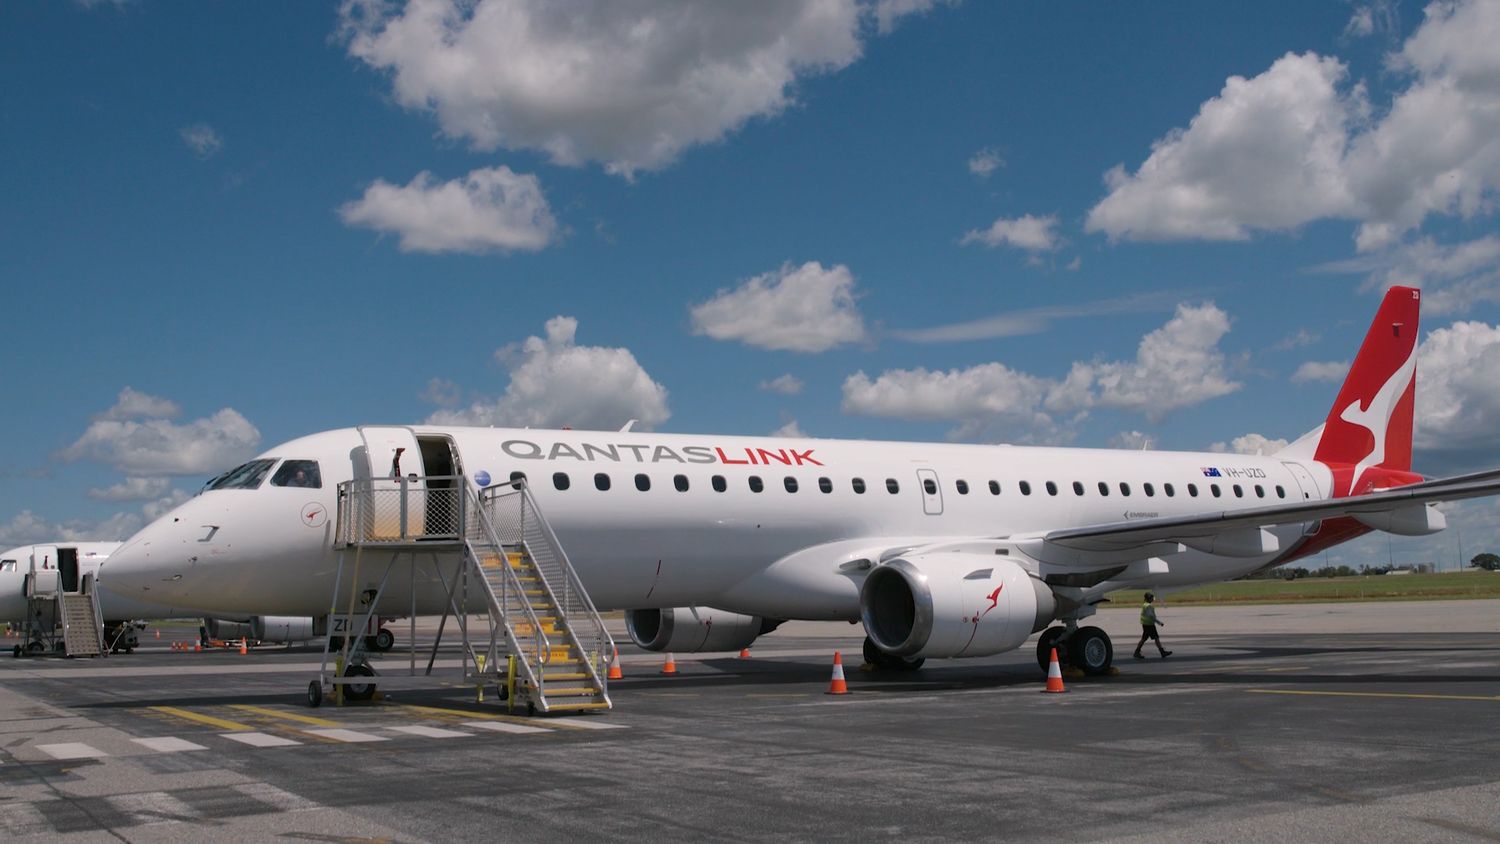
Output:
[[994, 602]]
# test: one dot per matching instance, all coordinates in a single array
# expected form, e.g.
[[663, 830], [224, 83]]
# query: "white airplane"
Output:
[[63, 565], [942, 550]]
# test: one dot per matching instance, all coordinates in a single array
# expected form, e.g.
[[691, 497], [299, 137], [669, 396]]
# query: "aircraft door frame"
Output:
[[932, 502], [382, 515], [1309, 487]]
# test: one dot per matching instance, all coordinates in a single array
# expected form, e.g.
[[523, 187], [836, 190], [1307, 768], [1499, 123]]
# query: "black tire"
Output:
[[1090, 650], [359, 691], [335, 644], [314, 694], [16, 652], [889, 662], [384, 640], [36, 648], [1046, 642]]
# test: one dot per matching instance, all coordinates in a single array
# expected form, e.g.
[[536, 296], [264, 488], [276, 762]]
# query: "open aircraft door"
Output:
[[391, 461], [44, 564]]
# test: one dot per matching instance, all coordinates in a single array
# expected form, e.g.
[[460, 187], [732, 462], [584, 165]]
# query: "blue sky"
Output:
[[1087, 224]]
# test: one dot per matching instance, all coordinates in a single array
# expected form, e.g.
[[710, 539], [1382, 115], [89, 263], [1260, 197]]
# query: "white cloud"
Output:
[[491, 209], [1458, 395], [1332, 371], [889, 12], [1131, 441], [132, 489], [1176, 366], [158, 446], [786, 385], [628, 84], [27, 528], [1036, 320], [154, 510], [790, 429], [133, 404], [1266, 153], [441, 392], [554, 382], [1028, 232], [1301, 338], [799, 309], [1361, 23], [1250, 444], [1289, 146], [202, 139], [985, 162]]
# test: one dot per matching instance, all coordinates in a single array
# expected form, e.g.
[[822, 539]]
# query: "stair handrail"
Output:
[[512, 582], [575, 605]]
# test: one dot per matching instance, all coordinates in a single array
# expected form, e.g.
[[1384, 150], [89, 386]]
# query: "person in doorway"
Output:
[[1149, 623]]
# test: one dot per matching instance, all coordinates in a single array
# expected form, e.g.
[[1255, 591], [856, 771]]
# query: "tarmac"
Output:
[[1333, 722]]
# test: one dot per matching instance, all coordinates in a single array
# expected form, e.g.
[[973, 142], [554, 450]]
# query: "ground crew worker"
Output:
[[1149, 623]]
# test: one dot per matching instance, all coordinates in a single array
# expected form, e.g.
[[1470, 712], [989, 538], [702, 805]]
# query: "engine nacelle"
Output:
[[952, 605], [695, 629], [279, 629], [282, 628]]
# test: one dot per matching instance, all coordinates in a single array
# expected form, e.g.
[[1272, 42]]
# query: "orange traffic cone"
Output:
[[837, 686], [243, 648], [158, 633], [670, 666], [197, 647], [744, 653], [614, 667], [1054, 675]]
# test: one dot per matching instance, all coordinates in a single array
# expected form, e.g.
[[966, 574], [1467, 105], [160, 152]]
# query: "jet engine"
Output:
[[952, 605], [695, 629], [263, 628]]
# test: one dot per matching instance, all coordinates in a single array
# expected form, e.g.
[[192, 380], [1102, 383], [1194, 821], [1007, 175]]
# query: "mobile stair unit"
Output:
[[59, 621], [525, 623]]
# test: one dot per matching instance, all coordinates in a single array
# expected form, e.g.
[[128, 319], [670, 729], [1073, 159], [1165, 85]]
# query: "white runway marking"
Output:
[[167, 744], [504, 727], [431, 732], [70, 750], [350, 736], [273, 796], [260, 739], [153, 807], [587, 724]]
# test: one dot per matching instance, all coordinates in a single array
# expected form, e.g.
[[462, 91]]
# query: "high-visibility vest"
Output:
[[1148, 615]]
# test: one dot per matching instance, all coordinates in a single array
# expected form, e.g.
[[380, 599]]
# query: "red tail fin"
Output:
[[1371, 421]]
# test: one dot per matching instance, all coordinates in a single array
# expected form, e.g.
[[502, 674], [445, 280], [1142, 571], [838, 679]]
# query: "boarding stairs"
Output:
[[545, 644], [49, 607]]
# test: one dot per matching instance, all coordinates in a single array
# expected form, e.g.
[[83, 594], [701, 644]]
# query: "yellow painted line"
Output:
[[233, 726], [290, 716], [1400, 695]]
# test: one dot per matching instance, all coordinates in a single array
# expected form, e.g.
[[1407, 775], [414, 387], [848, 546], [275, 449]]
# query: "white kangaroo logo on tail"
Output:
[[1377, 417]]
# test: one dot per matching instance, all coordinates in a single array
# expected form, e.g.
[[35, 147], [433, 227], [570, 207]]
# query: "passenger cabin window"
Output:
[[300, 473], [248, 476], [1214, 488], [930, 486], [1103, 488], [962, 487], [642, 482], [1150, 490], [1051, 488], [1025, 487], [825, 485], [601, 482], [859, 486], [560, 480], [1124, 488], [1077, 488], [891, 486], [681, 482], [1239, 491], [790, 483], [755, 484], [517, 479], [1169, 489], [1260, 491], [994, 487], [718, 482], [1193, 490], [1280, 493]]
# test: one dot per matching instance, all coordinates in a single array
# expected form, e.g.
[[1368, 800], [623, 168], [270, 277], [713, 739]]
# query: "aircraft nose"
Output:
[[152, 565]]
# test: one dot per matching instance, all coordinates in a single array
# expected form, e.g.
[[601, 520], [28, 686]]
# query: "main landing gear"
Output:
[[889, 662], [1088, 649]]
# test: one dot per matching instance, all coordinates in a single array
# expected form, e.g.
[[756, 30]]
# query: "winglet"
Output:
[[1370, 424]]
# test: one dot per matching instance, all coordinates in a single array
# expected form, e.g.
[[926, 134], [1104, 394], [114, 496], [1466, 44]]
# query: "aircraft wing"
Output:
[[1401, 510]]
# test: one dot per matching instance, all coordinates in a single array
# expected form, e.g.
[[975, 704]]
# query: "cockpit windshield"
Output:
[[248, 476], [7, 565], [303, 473]]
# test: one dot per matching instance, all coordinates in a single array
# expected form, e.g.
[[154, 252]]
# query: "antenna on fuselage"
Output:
[[628, 426]]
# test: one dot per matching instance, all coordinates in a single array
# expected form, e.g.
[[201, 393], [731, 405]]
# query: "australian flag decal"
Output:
[[1211, 472]]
